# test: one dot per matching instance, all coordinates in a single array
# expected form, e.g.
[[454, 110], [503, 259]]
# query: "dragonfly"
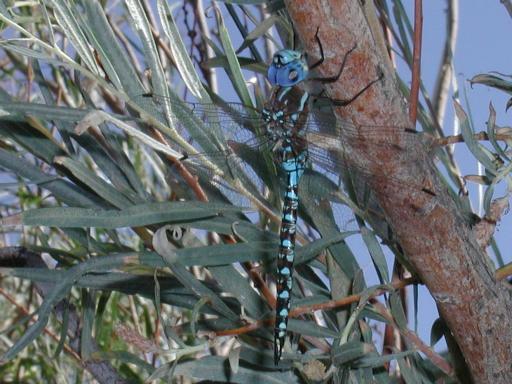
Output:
[[294, 134], [285, 129]]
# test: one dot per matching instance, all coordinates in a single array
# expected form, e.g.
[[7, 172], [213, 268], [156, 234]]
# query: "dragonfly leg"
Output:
[[319, 62], [343, 103], [329, 79]]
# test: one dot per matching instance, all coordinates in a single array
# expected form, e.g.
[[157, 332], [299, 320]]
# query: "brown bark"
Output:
[[434, 235]]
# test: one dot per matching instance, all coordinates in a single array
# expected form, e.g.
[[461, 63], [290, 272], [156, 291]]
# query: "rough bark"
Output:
[[437, 239]]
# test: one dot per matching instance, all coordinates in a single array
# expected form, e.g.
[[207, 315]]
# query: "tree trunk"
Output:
[[437, 239]]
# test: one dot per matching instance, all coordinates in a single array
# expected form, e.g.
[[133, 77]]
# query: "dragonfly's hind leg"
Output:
[[333, 79], [343, 103]]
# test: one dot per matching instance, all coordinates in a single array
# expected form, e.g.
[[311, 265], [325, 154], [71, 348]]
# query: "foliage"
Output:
[[94, 198]]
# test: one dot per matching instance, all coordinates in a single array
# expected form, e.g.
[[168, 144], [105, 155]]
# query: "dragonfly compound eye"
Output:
[[288, 68]]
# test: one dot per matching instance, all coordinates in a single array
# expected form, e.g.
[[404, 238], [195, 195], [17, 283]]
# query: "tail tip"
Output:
[[278, 349]]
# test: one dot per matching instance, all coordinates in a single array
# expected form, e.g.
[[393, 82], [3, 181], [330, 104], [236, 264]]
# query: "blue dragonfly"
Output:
[[296, 136], [307, 148]]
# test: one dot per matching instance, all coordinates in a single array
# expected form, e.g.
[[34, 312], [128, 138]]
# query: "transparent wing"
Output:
[[343, 153], [207, 127], [243, 166], [336, 146], [225, 138]]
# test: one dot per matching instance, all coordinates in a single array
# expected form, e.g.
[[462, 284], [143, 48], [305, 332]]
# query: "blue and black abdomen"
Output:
[[293, 168]]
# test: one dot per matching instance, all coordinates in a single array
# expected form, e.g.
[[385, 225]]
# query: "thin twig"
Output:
[[331, 304], [480, 136], [414, 339], [208, 51], [444, 78], [393, 342], [348, 299], [504, 272], [416, 61]]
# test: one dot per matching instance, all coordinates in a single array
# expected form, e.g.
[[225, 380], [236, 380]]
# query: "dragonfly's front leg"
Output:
[[333, 79]]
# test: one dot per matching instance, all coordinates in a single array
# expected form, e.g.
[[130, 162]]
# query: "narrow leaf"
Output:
[[134, 216]]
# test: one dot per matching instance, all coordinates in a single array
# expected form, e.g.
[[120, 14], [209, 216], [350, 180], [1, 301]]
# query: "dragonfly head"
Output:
[[288, 68]]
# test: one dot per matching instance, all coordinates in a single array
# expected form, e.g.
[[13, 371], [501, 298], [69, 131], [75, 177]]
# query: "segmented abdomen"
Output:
[[294, 168]]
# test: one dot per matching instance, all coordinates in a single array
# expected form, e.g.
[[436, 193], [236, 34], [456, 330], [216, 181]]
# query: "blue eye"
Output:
[[287, 69]]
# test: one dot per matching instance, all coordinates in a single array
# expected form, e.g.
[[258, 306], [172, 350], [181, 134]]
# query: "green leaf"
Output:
[[260, 30], [134, 216], [64, 15], [142, 27], [409, 373], [309, 328], [378, 258], [351, 351], [213, 368], [314, 248], [86, 337], [60, 290], [18, 111], [492, 81], [115, 165], [37, 142], [245, 63], [63, 190], [234, 66], [480, 152], [63, 330], [32, 53], [375, 360], [224, 225], [239, 286], [113, 57], [397, 309], [202, 291], [225, 254], [125, 357], [437, 331], [491, 132], [103, 189], [180, 54]]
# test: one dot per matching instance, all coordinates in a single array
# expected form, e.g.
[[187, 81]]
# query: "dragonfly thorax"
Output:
[[283, 132]]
